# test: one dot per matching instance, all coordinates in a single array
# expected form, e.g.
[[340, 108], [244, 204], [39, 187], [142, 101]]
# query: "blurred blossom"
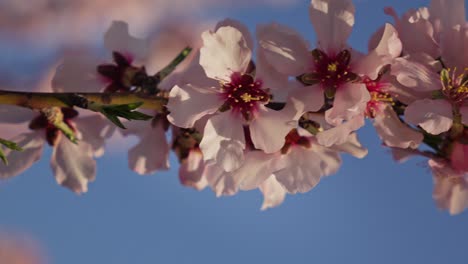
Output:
[[19, 250]]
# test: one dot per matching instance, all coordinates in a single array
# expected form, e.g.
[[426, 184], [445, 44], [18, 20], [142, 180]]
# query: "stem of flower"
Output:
[[82, 100]]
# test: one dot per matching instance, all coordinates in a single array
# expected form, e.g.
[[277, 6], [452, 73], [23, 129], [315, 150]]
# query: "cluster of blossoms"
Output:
[[280, 122]]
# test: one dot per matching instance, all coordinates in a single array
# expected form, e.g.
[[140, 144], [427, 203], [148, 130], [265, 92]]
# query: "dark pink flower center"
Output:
[[243, 95], [378, 96], [330, 70], [52, 132]]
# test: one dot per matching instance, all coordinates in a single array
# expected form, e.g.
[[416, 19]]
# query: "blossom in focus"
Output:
[[232, 96], [436, 106]]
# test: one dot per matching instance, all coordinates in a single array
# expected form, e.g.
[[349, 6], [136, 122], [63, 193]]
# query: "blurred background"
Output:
[[372, 211]]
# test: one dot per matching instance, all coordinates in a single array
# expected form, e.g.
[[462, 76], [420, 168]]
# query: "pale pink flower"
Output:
[[331, 70], [73, 164], [433, 104], [450, 187], [233, 97]]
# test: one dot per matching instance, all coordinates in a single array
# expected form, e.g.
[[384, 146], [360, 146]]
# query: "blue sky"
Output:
[[372, 211]]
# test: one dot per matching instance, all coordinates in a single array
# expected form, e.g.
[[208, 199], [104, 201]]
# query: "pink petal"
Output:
[[393, 132], [78, 73], [339, 135], [273, 193], [333, 21], [73, 164], [416, 32], [223, 141], [352, 146], [19, 161], [304, 168], [188, 103], [450, 188], [220, 181], [228, 22], [414, 72], [388, 48], [434, 116], [191, 171], [14, 114], [258, 166], [450, 13], [152, 151], [224, 52], [269, 129], [307, 98], [95, 130], [284, 49], [278, 83], [350, 100], [117, 38]]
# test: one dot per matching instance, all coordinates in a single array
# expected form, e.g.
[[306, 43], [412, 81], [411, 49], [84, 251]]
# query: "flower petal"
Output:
[[393, 132], [95, 129], [352, 146], [224, 52], [333, 21], [118, 38], [191, 171], [434, 116], [304, 168], [273, 193], [152, 151], [73, 164], [228, 22], [350, 100], [284, 49], [15, 114], [269, 129], [19, 161], [388, 48], [78, 73], [223, 141], [339, 135], [307, 98], [188, 103]]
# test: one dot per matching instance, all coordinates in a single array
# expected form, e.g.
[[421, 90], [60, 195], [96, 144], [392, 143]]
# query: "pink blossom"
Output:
[[232, 96], [450, 187], [73, 164]]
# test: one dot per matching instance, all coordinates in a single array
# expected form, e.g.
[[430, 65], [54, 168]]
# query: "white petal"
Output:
[[95, 130], [192, 171], [18, 161], [224, 52], [73, 164], [273, 193], [307, 98], [350, 100], [152, 151], [352, 146], [117, 38], [388, 48], [434, 116], [305, 167], [393, 132], [223, 141], [284, 49], [228, 22], [188, 103], [14, 114], [339, 134], [77, 73], [269, 129], [333, 21]]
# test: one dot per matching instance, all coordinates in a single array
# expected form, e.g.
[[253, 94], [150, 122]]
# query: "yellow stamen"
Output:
[[332, 67], [247, 98]]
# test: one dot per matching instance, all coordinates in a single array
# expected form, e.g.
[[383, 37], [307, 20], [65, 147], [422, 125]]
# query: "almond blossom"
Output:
[[436, 106], [232, 96], [73, 163]]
